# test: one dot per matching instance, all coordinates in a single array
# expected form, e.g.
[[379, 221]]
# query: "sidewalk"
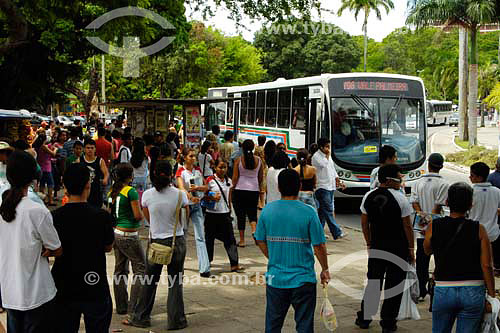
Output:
[[241, 308]]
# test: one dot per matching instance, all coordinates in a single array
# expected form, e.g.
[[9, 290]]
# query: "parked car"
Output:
[[83, 122], [64, 120], [453, 121]]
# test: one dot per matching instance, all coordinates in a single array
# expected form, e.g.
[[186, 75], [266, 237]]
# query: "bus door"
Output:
[[315, 115], [236, 115]]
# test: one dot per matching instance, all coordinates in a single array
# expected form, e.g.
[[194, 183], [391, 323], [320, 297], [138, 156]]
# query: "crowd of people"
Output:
[[113, 185]]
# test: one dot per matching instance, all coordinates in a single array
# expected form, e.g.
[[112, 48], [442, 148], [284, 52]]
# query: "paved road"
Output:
[[348, 210]]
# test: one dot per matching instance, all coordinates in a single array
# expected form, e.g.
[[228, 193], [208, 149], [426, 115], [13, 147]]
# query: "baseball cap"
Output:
[[158, 133], [436, 160]]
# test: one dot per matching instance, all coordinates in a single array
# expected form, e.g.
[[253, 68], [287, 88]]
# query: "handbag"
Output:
[[162, 254], [432, 281], [229, 217]]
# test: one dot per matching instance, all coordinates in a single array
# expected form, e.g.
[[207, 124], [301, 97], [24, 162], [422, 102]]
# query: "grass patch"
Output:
[[473, 155], [461, 144]]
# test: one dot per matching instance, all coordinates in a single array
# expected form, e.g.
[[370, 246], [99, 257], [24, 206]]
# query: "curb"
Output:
[[457, 146], [456, 167]]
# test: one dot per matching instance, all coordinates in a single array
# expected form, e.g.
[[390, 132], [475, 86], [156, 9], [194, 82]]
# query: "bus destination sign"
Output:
[[376, 86]]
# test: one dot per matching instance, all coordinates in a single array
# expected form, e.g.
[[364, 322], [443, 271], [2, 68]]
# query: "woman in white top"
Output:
[[159, 208], [205, 161], [140, 162], [218, 221], [27, 237], [279, 163]]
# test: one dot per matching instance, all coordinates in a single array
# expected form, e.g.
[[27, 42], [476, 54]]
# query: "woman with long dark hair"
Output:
[[44, 158], [205, 161], [140, 161], [161, 205], [191, 181], [269, 151], [124, 203], [247, 177], [307, 178], [27, 237]]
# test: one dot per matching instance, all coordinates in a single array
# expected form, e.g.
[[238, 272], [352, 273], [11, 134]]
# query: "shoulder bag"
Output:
[[229, 217], [162, 254]]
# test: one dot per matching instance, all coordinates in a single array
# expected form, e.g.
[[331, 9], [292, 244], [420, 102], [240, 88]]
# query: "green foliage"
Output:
[[292, 50], [473, 155]]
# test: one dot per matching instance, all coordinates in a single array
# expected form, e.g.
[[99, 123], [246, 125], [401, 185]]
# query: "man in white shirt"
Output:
[[386, 225], [387, 155], [485, 208], [125, 154], [327, 180], [428, 195]]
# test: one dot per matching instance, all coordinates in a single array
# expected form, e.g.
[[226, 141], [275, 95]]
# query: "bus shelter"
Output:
[[150, 116]]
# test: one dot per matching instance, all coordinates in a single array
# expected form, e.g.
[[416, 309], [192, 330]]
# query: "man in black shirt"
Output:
[[86, 233], [388, 232]]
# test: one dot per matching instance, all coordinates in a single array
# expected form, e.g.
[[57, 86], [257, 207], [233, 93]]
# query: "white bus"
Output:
[[439, 112], [358, 112]]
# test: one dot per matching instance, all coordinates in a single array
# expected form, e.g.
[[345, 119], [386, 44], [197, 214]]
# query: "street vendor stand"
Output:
[[154, 115]]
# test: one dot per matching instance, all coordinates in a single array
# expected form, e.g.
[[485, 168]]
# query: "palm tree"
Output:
[[366, 5], [469, 14]]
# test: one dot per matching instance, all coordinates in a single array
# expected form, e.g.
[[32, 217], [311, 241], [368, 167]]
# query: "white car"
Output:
[[64, 120]]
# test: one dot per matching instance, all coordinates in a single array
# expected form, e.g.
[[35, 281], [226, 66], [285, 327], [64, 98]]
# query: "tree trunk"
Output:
[[462, 86], [86, 99], [473, 87], [365, 29], [16, 24]]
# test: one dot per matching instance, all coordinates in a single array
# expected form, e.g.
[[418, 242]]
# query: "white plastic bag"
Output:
[[327, 313], [489, 324], [408, 309]]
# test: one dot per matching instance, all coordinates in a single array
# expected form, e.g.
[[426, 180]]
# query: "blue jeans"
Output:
[[308, 199], [463, 303], [325, 211], [303, 301], [140, 183], [198, 220], [31, 321]]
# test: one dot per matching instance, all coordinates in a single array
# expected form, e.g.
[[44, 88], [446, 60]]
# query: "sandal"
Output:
[[237, 269], [240, 244], [128, 322]]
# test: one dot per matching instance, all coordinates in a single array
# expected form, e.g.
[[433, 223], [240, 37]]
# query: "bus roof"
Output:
[[312, 80], [12, 114], [433, 101]]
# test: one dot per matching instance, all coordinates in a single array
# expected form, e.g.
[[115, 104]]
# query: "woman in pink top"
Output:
[[44, 159], [247, 177]]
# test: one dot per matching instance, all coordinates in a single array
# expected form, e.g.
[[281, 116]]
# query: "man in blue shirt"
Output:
[[286, 233], [494, 177]]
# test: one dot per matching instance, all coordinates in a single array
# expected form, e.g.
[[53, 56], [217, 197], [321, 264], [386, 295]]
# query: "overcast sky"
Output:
[[376, 29]]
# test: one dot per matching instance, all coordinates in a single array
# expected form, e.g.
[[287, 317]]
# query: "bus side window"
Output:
[[299, 108], [271, 108], [260, 111], [285, 98], [251, 108], [230, 110], [244, 109]]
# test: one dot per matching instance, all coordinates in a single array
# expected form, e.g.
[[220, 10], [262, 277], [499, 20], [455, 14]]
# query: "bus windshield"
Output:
[[361, 125]]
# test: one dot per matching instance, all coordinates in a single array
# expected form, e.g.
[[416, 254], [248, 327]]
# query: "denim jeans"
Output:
[[128, 249], [325, 211], [198, 220], [140, 184], [463, 303], [96, 315], [303, 301], [175, 302], [308, 199], [31, 321]]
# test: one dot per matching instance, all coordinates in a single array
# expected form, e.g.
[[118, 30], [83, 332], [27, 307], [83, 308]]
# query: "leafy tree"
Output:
[[294, 53], [366, 6], [469, 14]]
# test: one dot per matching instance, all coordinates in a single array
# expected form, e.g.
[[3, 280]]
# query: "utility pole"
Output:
[[462, 85]]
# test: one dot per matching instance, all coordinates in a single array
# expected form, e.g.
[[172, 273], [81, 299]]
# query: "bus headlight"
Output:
[[411, 175], [341, 173], [417, 174], [347, 175]]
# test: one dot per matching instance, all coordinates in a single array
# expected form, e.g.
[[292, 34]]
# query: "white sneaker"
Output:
[[343, 235]]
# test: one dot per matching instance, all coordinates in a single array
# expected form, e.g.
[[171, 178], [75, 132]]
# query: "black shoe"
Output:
[[362, 324], [175, 328], [206, 275], [389, 329], [122, 312]]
